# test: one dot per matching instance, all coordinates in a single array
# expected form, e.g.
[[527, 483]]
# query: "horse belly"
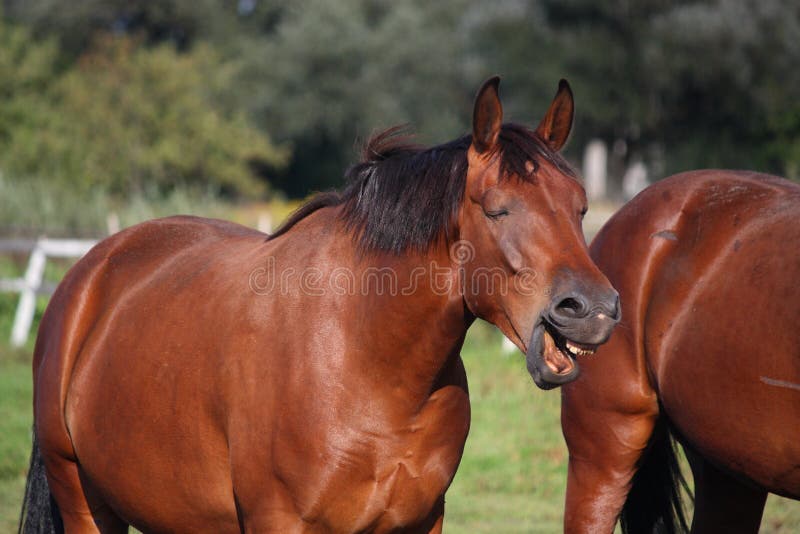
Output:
[[146, 441], [727, 363]]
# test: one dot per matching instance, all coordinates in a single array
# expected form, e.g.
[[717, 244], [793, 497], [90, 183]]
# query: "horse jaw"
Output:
[[548, 365]]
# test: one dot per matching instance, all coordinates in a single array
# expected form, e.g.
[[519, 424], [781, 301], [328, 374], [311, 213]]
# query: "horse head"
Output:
[[521, 221]]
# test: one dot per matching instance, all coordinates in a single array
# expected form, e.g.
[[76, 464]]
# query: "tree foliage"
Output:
[[728, 78], [706, 83], [175, 95], [74, 24], [329, 73], [130, 119]]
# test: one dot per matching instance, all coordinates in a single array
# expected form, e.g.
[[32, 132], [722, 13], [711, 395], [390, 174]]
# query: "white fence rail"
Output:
[[32, 283]]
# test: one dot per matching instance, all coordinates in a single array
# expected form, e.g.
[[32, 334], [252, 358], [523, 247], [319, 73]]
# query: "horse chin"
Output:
[[549, 365]]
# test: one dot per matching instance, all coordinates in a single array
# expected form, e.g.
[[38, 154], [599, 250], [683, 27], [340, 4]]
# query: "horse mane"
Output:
[[402, 196]]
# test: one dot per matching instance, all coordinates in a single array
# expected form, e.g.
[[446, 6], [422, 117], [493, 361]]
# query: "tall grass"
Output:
[[36, 207]]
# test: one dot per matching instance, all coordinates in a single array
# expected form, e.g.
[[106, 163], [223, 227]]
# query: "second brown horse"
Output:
[[707, 264], [194, 376]]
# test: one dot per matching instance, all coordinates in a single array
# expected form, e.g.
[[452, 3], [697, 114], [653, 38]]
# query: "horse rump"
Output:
[[39, 513]]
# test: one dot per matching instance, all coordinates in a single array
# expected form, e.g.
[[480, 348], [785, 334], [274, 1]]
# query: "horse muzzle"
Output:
[[572, 327]]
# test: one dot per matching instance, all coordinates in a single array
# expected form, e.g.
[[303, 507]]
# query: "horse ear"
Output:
[[487, 116], [557, 123]]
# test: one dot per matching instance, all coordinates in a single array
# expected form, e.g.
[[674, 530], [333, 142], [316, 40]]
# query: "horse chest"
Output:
[[379, 481]]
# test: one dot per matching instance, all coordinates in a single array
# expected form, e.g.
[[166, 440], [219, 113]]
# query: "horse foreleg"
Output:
[[723, 503], [608, 417], [437, 527], [602, 461], [437, 519]]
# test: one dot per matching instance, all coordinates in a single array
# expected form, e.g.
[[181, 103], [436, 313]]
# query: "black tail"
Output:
[[39, 513], [654, 502]]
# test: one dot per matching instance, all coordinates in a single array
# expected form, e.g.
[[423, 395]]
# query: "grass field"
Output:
[[511, 479], [513, 475], [15, 433]]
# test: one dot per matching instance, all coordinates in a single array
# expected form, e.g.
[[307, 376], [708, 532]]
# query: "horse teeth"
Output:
[[578, 351]]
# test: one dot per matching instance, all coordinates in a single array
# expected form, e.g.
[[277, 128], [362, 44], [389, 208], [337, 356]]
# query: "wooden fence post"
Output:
[[27, 299], [32, 283]]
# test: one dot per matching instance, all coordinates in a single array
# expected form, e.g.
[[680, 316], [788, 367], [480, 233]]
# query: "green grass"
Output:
[[16, 418], [511, 479], [513, 474]]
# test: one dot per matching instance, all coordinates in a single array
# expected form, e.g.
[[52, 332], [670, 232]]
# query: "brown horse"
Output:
[[708, 349], [194, 376]]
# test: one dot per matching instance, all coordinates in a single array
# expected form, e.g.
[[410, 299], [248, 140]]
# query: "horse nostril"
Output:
[[572, 307]]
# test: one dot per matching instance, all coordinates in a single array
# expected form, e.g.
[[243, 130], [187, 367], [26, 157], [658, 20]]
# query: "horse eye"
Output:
[[583, 212], [496, 214]]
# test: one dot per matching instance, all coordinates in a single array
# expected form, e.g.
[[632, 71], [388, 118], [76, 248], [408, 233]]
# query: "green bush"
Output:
[[126, 120]]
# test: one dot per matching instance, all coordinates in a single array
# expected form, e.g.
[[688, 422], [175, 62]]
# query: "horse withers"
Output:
[[192, 375], [707, 264]]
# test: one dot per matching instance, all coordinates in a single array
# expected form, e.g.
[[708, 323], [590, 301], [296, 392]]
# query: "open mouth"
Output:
[[559, 353], [551, 357]]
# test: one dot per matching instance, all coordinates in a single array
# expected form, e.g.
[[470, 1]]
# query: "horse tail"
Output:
[[39, 513], [654, 502]]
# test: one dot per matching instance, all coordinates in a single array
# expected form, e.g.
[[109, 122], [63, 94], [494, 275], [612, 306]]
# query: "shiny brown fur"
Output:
[[192, 375], [707, 264]]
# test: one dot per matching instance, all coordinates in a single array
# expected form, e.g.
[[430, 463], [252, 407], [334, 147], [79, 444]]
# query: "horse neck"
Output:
[[417, 326], [402, 316]]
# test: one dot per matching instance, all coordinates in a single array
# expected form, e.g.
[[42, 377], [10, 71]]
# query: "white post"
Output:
[[264, 223], [112, 223], [508, 346], [595, 162], [27, 300], [634, 180]]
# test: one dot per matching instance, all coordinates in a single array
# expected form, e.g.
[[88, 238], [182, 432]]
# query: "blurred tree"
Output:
[[75, 23], [728, 82], [679, 83], [331, 72], [694, 84], [128, 119], [27, 69], [597, 46]]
